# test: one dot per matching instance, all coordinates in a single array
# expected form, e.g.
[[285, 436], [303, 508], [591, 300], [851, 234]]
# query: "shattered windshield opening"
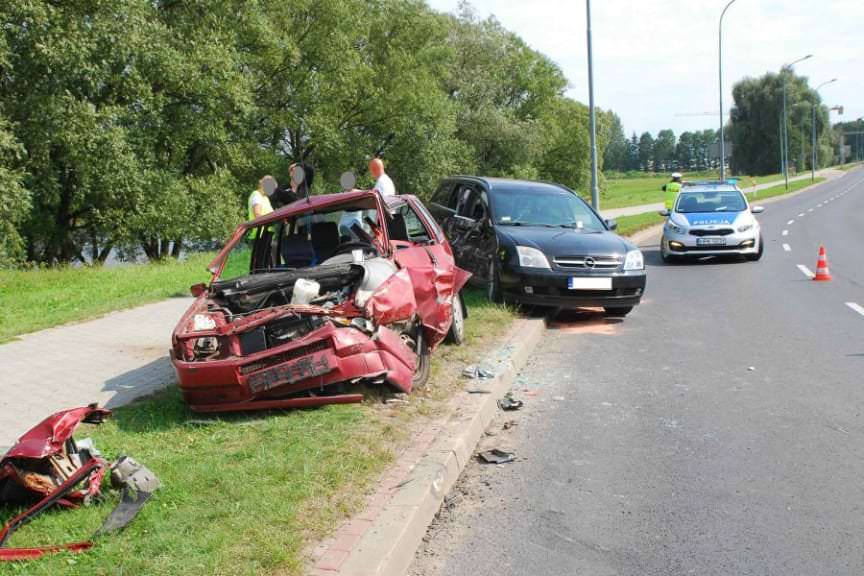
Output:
[[541, 207], [320, 238]]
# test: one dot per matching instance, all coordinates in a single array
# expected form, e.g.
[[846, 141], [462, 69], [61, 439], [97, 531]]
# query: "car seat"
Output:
[[297, 251], [397, 228], [325, 239]]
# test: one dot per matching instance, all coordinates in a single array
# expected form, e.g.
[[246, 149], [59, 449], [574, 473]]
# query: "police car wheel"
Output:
[[758, 255], [665, 255]]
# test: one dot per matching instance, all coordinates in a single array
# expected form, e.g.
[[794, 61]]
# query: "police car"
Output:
[[711, 219]]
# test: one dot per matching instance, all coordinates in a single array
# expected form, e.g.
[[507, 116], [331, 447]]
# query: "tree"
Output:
[[757, 119], [684, 151], [633, 161], [664, 150], [646, 151], [615, 155]]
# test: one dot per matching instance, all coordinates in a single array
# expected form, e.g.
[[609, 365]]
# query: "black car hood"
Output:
[[565, 241]]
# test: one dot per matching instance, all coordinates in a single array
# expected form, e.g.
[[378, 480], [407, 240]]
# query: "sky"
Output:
[[655, 61]]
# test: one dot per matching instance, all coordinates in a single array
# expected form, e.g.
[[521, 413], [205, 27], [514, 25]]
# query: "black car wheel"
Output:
[[424, 360], [493, 287], [618, 312], [456, 335]]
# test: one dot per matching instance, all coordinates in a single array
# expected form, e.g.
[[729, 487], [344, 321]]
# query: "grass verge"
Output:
[[245, 494], [780, 189], [628, 225], [41, 298]]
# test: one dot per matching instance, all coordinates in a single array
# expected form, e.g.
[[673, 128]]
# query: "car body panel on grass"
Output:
[[331, 289]]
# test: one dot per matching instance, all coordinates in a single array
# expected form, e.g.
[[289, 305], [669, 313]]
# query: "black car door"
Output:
[[477, 235]]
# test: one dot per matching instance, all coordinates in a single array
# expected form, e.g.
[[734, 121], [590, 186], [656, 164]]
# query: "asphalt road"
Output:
[[717, 430]]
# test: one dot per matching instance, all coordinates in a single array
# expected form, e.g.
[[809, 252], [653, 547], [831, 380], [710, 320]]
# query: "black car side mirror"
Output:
[[612, 224]]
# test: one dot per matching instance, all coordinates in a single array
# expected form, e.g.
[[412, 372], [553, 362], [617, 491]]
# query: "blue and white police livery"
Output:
[[711, 219]]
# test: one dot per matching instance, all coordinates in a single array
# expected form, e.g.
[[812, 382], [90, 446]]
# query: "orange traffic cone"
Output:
[[822, 273]]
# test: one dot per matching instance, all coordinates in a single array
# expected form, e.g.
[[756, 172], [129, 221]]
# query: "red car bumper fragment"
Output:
[[326, 356]]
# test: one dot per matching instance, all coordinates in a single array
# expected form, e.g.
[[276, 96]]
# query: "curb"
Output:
[[385, 543]]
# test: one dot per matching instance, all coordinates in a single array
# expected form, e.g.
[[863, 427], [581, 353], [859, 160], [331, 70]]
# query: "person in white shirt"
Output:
[[383, 183]]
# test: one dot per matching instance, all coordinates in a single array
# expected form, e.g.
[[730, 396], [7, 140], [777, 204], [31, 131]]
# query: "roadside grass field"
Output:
[[627, 191], [44, 297], [628, 225], [780, 189], [246, 493]]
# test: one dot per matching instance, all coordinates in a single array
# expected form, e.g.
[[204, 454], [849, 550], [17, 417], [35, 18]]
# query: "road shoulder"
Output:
[[382, 540]]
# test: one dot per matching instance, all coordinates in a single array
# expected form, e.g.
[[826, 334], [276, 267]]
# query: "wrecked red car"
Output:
[[331, 289]]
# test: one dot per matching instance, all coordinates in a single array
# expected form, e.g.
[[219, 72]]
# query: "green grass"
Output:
[[849, 166], [40, 298], [780, 189], [246, 494], [633, 191], [628, 225]]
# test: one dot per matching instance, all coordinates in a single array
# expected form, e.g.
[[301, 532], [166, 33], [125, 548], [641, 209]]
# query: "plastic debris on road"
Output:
[[508, 403], [475, 372], [496, 456]]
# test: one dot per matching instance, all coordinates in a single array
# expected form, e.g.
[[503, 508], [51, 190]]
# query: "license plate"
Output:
[[589, 283], [288, 373], [710, 241]]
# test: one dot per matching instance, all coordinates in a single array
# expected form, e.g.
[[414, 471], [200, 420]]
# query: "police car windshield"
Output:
[[710, 201], [549, 207]]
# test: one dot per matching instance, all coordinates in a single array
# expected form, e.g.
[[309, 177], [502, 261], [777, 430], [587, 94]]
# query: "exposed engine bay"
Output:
[[325, 299]]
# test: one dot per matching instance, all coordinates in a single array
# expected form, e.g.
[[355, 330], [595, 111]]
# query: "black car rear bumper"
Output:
[[549, 288]]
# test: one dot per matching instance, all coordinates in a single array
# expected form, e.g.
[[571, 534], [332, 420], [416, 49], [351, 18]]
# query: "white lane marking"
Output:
[[806, 271], [784, 233], [856, 307], [819, 205], [809, 210], [787, 248], [790, 222], [801, 215]]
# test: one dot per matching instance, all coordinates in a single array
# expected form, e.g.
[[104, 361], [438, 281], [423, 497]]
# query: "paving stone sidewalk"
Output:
[[110, 360]]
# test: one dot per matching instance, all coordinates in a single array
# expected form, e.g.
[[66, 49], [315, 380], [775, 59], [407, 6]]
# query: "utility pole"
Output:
[[785, 137], [815, 156], [722, 115], [595, 192]]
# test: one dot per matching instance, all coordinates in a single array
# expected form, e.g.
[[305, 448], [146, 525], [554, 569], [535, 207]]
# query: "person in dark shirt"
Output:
[[296, 190]]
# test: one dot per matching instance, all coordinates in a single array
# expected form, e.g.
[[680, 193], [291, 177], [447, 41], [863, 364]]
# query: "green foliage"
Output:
[[758, 117], [140, 125], [14, 198]]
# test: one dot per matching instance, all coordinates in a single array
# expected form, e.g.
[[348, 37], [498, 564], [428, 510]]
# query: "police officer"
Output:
[[259, 200], [672, 189]]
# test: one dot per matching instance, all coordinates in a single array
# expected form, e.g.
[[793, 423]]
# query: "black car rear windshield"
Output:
[[709, 201], [543, 207]]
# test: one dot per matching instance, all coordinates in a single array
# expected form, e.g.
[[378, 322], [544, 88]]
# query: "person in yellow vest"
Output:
[[672, 189], [259, 200]]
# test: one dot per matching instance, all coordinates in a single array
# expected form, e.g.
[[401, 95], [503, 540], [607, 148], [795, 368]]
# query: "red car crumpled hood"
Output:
[[48, 436]]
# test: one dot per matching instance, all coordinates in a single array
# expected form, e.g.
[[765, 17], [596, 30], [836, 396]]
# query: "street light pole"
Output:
[[595, 192], [813, 143], [722, 115], [785, 142]]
